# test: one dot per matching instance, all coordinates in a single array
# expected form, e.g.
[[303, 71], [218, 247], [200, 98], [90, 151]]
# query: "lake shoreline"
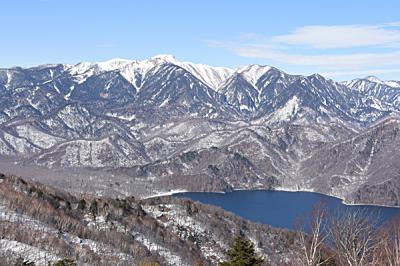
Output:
[[343, 201], [279, 207], [337, 197]]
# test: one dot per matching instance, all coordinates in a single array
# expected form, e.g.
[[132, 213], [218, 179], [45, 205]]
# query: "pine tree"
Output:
[[65, 262], [21, 262], [242, 254]]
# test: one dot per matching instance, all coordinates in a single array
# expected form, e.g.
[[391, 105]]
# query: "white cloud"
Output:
[[361, 72], [343, 36], [329, 61], [326, 48], [393, 24]]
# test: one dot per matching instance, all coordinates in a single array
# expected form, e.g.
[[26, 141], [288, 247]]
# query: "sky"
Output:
[[339, 39]]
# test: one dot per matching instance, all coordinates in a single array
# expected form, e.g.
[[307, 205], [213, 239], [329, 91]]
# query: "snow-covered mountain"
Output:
[[382, 95], [182, 124], [247, 92]]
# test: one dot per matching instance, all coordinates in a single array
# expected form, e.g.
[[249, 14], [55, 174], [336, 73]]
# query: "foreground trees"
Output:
[[311, 251], [388, 252], [242, 254], [347, 237], [355, 237]]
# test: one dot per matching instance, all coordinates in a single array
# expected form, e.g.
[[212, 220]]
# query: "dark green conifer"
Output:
[[242, 254], [65, 262]]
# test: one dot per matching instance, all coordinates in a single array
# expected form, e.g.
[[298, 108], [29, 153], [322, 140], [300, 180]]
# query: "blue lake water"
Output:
[[278, 208]]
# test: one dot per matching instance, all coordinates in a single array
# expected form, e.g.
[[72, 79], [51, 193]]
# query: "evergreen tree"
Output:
[[22, 262], [65, 262], [242, 254]]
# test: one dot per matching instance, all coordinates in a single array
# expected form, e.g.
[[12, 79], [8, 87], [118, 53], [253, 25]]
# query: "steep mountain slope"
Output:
[[363, 168], [240, 92], [383, 95]]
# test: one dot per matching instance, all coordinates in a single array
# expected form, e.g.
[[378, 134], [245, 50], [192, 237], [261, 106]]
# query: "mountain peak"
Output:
[[113, 64], [254, 68], [374, 79], [165, 57], [253, 73], [316, 75], [391, 83]]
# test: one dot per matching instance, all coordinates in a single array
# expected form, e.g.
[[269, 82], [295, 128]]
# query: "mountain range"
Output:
[[160, 124]]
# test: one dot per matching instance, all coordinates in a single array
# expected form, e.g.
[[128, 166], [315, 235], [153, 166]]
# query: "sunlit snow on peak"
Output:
[[374, 79], [165, 57], [252, 73]]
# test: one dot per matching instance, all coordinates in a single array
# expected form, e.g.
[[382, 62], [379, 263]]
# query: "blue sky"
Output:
[[341, 39]]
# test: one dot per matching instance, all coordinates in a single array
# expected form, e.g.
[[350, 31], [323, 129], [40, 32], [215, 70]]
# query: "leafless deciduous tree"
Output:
[[312, 234], [355, 236], [389, 251]]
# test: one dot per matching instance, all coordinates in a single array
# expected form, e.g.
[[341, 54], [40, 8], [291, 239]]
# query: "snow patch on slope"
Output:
[[393, 84], [30, 253], [287, 111], [171, 258], [36, 136]]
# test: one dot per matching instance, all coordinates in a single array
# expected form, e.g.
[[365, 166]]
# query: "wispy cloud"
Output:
[[393, 24], [342, 36], [361, 72], [327, 61], [326, 48]]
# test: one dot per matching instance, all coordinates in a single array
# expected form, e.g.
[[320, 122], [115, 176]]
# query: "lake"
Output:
[[278, 208]]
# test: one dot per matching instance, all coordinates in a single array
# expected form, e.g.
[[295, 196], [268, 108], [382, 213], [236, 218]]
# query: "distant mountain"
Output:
[[382, 95], [172, 124]]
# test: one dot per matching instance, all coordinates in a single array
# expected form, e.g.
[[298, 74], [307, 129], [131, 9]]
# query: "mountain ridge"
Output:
[[166, 124]]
